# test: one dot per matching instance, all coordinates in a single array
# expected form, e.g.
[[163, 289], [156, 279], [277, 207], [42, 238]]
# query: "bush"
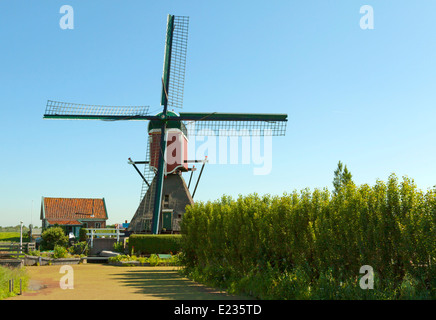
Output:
[[60, 252], [311, 245], [154, 244], [80, 248], [120, 258], [53, 237], [153, 260], [119, 247], [82, 234], [34, 253]]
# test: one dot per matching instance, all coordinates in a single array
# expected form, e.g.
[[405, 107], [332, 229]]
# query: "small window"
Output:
[[166, 203], [97, 225]]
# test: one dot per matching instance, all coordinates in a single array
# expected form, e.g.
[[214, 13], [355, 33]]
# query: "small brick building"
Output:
[[73, 213]]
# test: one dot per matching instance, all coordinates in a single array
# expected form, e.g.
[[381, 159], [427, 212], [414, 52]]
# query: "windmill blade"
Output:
[[234, 124], [219, 116], [172, 95], [75, 111], [176, 44]]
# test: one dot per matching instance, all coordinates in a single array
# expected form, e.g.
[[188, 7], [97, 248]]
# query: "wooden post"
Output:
[[21, 236], [92, 237], [11, 285]]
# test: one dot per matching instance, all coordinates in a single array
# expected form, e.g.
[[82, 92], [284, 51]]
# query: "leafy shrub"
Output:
[[153, 260], [37, 253], [174, 260], [154, 244], [120, 258], [60, 252], [311, 244], [53, 237], [79, 248], [119, 247], [82, 234], [34, 253]]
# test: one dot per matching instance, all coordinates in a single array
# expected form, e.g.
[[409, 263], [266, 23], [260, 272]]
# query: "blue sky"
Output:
[[365, 97]]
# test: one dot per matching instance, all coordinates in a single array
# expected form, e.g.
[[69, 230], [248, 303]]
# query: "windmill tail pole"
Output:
[[137, 170], [198, 180], [190, 178]]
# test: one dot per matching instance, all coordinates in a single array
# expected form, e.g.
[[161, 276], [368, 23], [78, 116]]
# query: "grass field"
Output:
[[13, 237]]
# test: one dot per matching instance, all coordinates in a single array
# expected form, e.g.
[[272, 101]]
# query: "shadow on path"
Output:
[[169, 284]]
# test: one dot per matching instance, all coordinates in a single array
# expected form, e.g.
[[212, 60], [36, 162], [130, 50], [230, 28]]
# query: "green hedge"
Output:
[[312, 244], [154, 244]]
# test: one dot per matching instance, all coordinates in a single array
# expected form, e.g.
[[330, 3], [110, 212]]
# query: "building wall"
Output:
[[92, 224], [178, 196], [100, 244]]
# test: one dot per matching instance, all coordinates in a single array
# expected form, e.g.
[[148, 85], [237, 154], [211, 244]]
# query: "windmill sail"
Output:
[[234, 124], [76, 111], [172, 95], [175, 61]]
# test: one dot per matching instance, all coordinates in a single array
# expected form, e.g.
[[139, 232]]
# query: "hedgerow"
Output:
[[312, 244], [154, 244]]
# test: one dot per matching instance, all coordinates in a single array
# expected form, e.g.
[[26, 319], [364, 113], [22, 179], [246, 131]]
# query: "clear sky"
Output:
[[365, 97]]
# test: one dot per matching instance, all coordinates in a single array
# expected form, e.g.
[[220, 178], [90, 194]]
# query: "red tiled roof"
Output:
[[65, 222], [72, 209]]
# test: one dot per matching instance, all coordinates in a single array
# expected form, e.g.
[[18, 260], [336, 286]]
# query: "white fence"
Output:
[[107, 232]]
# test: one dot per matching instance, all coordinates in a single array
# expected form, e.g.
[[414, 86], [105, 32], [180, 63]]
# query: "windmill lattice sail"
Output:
[[76, 111], [234, 124], [236, 128], [176, 45], [178, 62]]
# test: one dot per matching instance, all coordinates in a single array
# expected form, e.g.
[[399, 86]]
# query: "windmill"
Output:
[[169, 129]]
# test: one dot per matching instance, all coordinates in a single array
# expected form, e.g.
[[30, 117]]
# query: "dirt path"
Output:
[[105, 282]]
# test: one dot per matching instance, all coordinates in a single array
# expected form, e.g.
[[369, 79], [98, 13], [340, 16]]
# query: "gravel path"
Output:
[[104, 282]]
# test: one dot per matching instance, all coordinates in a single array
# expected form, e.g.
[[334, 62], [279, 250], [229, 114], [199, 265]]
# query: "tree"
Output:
[[341, 178]]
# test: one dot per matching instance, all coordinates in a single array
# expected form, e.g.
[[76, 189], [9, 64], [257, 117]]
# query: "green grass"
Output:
[[12, 237], [7, 274]]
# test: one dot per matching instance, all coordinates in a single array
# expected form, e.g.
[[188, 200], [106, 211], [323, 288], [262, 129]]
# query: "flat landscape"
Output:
[[217, 150], [12, 237], [104, 282]]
